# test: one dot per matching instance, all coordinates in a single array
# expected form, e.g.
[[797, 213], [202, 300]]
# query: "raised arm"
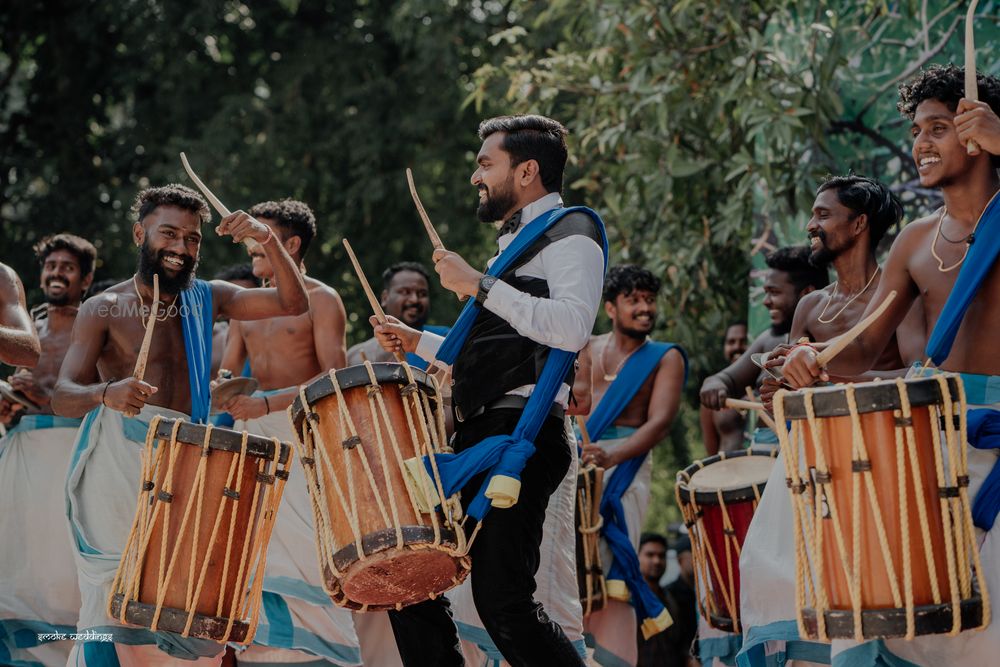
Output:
[[289, 298], [79, 388], [18, 341], [709, 435]]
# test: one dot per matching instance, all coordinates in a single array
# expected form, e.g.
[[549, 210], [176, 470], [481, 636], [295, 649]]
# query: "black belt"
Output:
[[507, 401]]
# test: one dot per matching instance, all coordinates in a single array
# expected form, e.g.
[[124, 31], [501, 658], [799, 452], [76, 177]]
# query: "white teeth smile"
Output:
[[930, 159], [174, 261]]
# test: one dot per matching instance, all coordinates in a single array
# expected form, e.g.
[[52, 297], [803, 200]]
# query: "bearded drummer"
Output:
[[636, 386], [283, 353], [541, 308], [18, 340], [39, 585], [850, 216], [96, 380], [947, 262]]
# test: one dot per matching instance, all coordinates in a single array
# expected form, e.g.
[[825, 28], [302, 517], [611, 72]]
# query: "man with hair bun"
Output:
[[39, 585], [946, 261], [284, 353], [635, 386], [96, 381]]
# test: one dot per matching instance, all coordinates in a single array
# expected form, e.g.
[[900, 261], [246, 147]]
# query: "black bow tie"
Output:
[[510, 225]]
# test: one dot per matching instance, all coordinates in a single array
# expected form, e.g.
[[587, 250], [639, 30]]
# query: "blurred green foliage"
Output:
[[699, 129]]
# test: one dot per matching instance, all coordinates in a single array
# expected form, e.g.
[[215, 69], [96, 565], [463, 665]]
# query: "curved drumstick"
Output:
[[838, 344], [376, 306], [971, 89], [431, 232], [212, 199]]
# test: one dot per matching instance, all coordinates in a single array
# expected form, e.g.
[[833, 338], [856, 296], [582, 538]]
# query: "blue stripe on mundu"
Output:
[[504, 456], [984, 433], [979, 261], [624, 571]]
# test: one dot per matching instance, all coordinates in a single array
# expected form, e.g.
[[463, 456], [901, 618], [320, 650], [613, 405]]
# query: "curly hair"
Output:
[[794, 260], [627, 278], [946, 83], [174, 194], [82, 249], [866, 195], [532, 137], [294, 218]]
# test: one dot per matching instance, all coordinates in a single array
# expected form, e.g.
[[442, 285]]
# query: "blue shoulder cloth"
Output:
[[979, 261], [651, 614], [196, 321], [504, 456], [635, 371]]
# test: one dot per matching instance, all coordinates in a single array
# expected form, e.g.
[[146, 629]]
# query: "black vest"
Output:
[[495, 358]]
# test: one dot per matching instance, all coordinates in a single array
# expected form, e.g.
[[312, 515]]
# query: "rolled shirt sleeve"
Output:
[[573, 267]]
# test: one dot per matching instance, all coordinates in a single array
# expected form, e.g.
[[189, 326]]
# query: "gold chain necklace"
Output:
[[611, 377], [937, 234], [833, 292], [160, 316]]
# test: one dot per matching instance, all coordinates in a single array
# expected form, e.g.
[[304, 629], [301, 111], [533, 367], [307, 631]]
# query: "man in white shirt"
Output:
[[547, 299]]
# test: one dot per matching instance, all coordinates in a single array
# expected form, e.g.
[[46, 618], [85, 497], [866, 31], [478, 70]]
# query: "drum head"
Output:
[[226, 389], [728, 474], [15, 396]]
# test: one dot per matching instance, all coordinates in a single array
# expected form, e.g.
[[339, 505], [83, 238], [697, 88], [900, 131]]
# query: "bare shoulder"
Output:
[[915, 233], [673, 360], [322, 294]]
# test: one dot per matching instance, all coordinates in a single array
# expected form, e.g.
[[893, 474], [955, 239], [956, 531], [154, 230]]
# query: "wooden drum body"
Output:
[[884, 537], [194, 560], [377, 548], [718, 497], [589, 571]]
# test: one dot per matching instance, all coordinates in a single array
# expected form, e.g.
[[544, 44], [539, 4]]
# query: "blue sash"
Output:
[[981, 257], [505, 455], [196, 321], [419, 362], [984, 433], [651, 614]]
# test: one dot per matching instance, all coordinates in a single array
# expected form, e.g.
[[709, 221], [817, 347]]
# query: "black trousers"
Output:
[[504, 561]]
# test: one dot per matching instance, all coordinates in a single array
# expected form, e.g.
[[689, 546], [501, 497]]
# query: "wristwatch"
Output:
[[485, 284]]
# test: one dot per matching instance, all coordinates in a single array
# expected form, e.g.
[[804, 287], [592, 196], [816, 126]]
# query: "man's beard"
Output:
[[822, 255], [633, 333], [59, 300], [416, 320], [150, 263], [497, 202], [783, 328]]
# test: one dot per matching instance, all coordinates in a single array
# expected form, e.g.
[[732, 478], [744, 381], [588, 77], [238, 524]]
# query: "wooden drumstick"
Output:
[[140, 362], [431, 232], [376, 306], [212, 199], [838, 344], [971, 88], [738, 404], [583, 431]]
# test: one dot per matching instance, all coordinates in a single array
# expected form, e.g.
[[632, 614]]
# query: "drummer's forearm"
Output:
[[280, 401], [70, 399]]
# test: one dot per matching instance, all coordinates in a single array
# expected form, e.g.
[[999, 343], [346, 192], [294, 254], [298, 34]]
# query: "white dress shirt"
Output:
[[573, 267]]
